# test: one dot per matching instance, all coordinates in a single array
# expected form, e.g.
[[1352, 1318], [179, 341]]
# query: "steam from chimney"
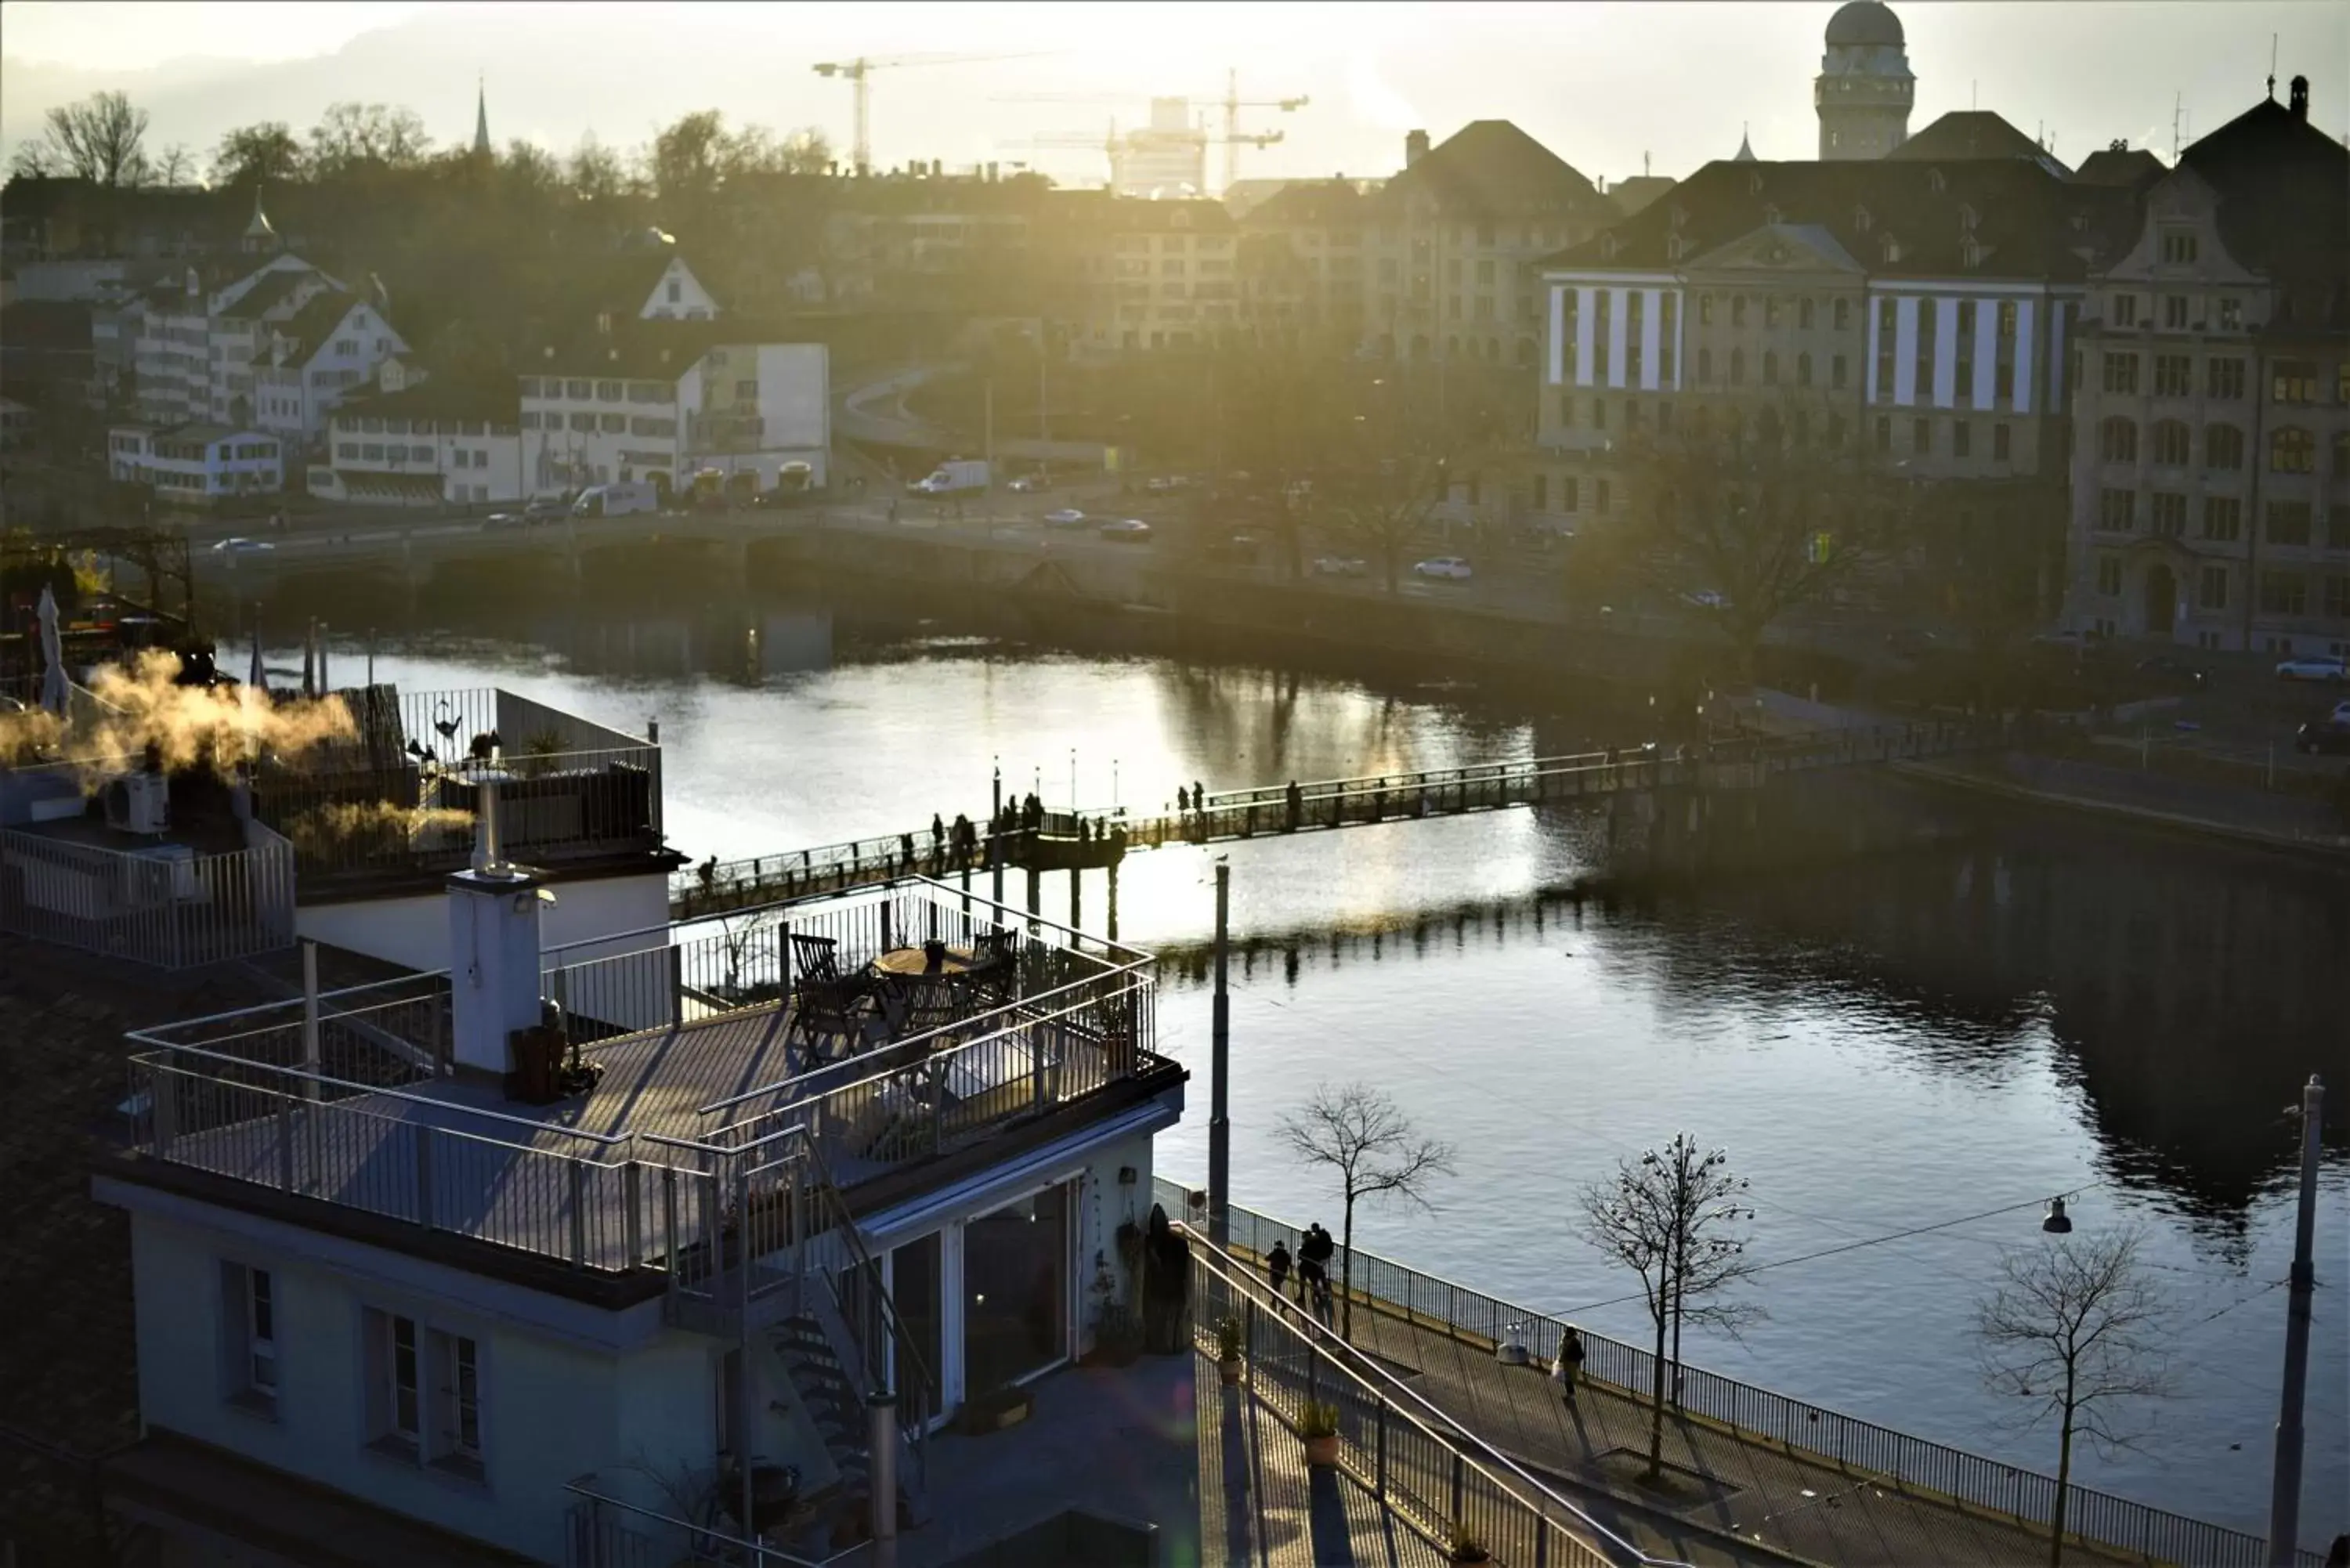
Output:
[[1415, 147], [186, 727]]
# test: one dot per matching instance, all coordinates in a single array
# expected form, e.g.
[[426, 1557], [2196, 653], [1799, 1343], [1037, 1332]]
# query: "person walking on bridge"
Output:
[[1276, 1269], [1295, 800]]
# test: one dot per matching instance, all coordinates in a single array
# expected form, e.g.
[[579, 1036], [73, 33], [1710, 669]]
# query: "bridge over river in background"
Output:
[[1088, 839]]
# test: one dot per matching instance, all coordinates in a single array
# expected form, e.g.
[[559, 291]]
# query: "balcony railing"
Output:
[[166, 906], [346, 1099], [402, 796]]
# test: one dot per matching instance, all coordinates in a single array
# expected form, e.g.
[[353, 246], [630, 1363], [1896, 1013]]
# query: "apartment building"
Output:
[[196, 465], [660, 400], [1915, 314], [273, 345], [1440, 262], [1140, 276], [421, 440], [2211, 479]]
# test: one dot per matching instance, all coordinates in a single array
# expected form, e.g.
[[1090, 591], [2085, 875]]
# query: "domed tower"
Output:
[[1865, 88]]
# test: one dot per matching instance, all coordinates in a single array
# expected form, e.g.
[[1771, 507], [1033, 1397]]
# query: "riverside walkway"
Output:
[[1745, 1466], [1090, 838]]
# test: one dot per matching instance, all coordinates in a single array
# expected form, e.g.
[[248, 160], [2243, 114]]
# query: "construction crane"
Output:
[[1232, 139], [1125, 153], [857, 70]]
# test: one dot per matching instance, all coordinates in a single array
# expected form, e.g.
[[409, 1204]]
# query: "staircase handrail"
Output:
[[913, 1414]]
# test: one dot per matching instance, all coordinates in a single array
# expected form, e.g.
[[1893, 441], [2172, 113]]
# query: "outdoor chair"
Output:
[[816, 958]]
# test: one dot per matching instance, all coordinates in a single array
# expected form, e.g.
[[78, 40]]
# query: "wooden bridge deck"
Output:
[[1103, 837]]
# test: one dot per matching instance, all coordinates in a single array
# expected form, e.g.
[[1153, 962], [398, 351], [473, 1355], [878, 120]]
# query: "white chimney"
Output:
[[493, 951]]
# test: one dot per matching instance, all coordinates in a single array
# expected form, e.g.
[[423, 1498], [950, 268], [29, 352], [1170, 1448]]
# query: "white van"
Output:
[[616, 500]]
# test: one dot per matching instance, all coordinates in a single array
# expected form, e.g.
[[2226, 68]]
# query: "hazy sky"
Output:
[[1602, 85]]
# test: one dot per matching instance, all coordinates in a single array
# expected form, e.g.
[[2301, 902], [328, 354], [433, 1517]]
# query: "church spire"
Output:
[[480, 120], [1745, 149]]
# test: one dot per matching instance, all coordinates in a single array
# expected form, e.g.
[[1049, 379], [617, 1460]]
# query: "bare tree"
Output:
[[2074, 1328], [1374, 1150], [1672, 1217], [175, 165], [99, 140], [1750, 516]]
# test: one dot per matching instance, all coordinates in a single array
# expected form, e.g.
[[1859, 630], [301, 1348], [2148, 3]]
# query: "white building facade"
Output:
[[196, 465], [661, 411]]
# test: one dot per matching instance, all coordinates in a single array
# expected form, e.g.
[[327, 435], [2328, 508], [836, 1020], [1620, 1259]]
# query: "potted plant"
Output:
[[1227, 1351], [1465, 1547], [1317, 1424]]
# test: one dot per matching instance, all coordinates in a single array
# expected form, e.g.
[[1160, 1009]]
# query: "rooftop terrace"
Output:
[[727, 1091]]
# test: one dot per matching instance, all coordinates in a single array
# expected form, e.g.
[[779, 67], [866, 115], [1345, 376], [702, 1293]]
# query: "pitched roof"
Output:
[[489, 401], [269, 291], [308, 328], [1974, 133], [1488, 168], [2027, 223], [656, 351], [2118, 165], [2284, 202]]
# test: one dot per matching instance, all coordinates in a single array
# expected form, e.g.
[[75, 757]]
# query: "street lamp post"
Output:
[[2284, 1483]]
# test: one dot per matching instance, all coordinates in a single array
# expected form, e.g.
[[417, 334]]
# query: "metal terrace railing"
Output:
[[1441, 1478], [1861, 1448], [401, 796], [345, 1098], [165, 905]]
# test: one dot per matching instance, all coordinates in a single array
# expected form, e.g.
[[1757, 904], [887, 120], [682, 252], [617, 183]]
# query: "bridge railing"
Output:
[[1862, 1449], [825, 869]]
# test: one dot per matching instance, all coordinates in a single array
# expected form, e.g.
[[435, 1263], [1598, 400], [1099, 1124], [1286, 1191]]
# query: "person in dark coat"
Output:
[[1168, 1265], [1567, 1365], [1315, 1250], [1277, 1267]]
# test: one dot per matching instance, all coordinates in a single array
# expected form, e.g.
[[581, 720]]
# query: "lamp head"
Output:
[[2057, 1222]]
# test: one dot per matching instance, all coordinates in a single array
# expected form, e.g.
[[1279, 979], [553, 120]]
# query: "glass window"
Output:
[[2116, 511], [2172, 441], [2118, 441], [1999, 442], [1843, 314], [1837, 375], [2211, 591], [2288, 523], [2284, 593], [1015, 1291], [2223, 518], [2294, 381], [2292, 451], [2223, 447], [2110, 575], [1963, 438], [2167, 514], [2224, 378], [2174, 376], [2121, 373], [1804, 314]]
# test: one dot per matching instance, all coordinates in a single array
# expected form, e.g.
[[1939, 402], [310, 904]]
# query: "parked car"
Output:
[[2341, 715], [1032, 483], [2328, 738], [1915, 642], [546, 508], [1340, 567], [240, 546], [1066, 517], [1126, 530], [1444, 568], [499, 522], [2328, 667], [1706, 599], [2172, 671]]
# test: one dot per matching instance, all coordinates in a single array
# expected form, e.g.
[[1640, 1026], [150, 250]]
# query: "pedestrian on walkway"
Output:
[[1276, 1268], [1324, 1306], [1182, 798], [1315, 1250], [1568, 1364]]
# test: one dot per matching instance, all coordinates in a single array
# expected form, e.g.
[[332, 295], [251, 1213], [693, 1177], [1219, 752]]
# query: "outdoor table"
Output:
[[914, 963]]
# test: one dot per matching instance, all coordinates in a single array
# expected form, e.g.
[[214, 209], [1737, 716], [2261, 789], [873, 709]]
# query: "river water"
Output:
[[1889, 1050]]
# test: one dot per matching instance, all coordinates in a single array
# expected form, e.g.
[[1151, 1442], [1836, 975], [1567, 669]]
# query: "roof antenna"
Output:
[[2174, 125], [2273, 43], [1974, 95], [1644, 166]]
